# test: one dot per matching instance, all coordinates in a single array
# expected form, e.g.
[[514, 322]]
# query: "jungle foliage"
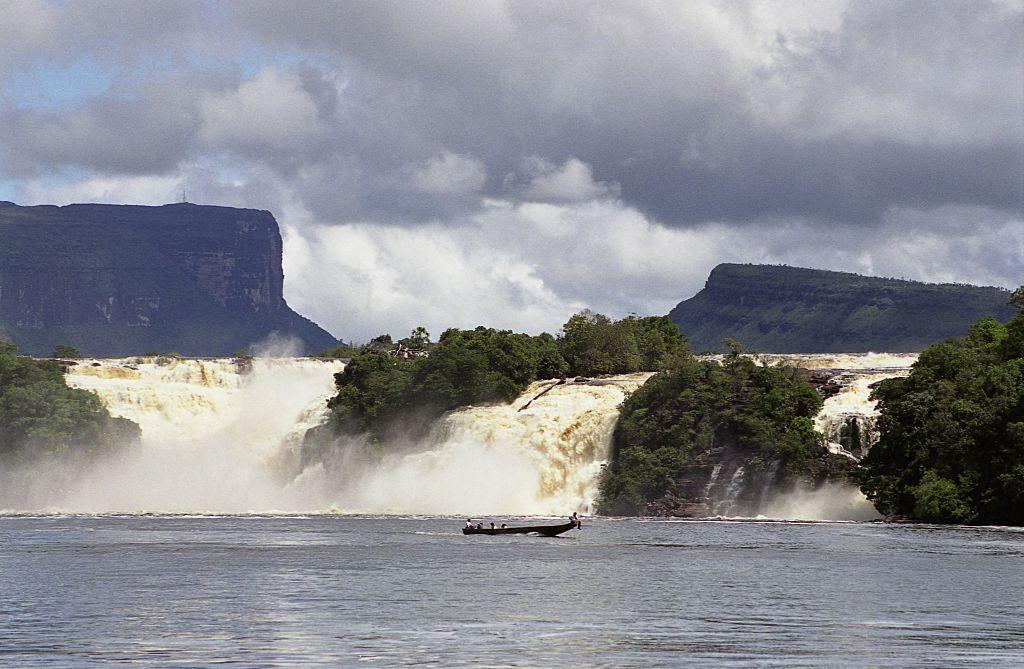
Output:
[[699, 405], [952, 432], [41, 415], [389, 391]]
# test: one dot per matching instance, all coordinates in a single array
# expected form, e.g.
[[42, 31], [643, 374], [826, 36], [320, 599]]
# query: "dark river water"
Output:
[[344, 591]]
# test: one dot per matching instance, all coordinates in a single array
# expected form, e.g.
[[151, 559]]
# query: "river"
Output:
[[350, 591]]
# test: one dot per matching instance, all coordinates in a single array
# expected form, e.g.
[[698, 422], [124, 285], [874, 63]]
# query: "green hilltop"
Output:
[[779, 309]]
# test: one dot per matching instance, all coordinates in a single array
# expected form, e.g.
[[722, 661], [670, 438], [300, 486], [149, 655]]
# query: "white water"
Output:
[[216, 439], [492, 460], [843, 361], [853, 405]]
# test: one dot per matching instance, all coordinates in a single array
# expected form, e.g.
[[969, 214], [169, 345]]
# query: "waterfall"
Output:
[[715, 471], [732, 492], [217, 436], [183, 403], [847, 419], [767, 479], [543, 458], [220, 436]]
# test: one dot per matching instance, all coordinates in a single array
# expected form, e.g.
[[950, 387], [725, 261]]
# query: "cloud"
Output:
[[528, 266], [572, 181], [450, 173], [136, 190], [507, 162], [148, 130], [273, 111]]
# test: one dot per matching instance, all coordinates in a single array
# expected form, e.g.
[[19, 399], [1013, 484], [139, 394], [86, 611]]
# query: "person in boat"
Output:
[[575, 519], [493, 526], [469, 523], [503, 526], [479, 526]]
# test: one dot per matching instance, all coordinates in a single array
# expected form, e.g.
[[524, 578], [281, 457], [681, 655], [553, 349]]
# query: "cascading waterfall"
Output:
[[732, 491], [224, 436], [715, 471], [847, 419], [215, 435], [505, 459]]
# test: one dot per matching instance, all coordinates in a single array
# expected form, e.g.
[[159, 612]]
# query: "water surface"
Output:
[[355, 591]]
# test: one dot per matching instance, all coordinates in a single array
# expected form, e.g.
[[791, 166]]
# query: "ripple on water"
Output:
[[330, 590]]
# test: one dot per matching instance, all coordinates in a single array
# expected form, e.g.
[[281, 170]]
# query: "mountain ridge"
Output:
[[129, 279], [783, 309]]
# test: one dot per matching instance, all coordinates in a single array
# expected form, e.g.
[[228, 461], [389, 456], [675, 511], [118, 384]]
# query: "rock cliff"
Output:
[[796, 310], [123, 280]]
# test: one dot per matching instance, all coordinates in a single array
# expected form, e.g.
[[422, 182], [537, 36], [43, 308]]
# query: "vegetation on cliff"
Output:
[[951, 448], [796, 310], [382, 394], [40, 415], [595, 344], [700, 405], [395, 390]]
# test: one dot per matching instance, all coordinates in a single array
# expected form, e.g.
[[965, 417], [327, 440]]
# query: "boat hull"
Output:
[[544, 530]]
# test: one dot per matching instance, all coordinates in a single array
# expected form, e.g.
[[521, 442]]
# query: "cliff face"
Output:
[[123, 280], [797, 310]]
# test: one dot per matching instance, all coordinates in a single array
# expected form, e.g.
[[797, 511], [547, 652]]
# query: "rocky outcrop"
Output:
[[123, 280], [731, 482], [796, 310]]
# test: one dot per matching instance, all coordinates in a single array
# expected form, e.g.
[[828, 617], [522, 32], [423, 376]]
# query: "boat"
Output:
[[544, 530]]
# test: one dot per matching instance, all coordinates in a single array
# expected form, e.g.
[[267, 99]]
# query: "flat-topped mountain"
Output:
[[122, 280], [775, 309]]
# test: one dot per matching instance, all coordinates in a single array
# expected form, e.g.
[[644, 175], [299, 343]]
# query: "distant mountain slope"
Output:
[[122, 280], [773, 309]]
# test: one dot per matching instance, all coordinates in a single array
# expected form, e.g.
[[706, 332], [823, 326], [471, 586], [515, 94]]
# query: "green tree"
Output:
[[952, 432], [699, 406], [593, 343], [391, 398], [342, 350], [418, 339], [66, 351], [41, 415]]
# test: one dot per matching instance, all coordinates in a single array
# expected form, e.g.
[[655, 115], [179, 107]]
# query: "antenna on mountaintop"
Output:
[[183, 200]]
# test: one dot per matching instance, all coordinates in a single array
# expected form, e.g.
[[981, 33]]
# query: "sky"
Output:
[[510, 163]]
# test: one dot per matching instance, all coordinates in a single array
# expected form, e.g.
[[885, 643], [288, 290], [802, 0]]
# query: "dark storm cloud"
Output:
[[149, 132], [528, 158], [901, 104], [699, 111]]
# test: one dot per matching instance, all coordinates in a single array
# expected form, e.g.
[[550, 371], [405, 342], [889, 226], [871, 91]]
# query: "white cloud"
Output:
[[128, 190], [529, 266], [450, 174], [362, 279], [271, 110], [569, 182]]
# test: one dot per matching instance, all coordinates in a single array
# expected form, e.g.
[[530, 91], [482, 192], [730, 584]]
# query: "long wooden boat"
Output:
[[545, 530]]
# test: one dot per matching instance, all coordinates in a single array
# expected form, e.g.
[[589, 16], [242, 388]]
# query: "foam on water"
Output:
[[543, 459], [223, 437]]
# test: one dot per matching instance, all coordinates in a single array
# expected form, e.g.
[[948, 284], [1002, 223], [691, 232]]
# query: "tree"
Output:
[[389, 397], [593, 343], [342, 350], [701, 405], [419, 337], [66, 351], [951, 447], [40, 414]]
